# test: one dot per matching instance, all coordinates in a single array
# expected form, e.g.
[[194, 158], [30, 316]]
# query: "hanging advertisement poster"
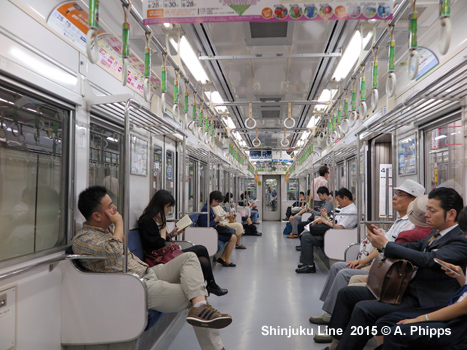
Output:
[[201, 11], [70, 21]]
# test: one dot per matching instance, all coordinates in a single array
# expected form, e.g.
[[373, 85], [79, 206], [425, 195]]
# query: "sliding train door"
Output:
[[271, 198]]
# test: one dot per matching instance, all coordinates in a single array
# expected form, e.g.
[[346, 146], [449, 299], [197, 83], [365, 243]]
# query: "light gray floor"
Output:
[[265, 291]]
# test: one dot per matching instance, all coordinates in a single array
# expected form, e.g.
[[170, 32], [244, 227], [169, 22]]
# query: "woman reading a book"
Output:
[[153, 232]]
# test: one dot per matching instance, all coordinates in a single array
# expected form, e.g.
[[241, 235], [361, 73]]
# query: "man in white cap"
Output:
[[341, 272]]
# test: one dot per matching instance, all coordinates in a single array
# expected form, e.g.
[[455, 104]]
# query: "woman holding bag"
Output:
[[152, 227]]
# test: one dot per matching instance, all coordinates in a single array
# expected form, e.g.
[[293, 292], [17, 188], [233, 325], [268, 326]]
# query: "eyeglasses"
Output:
[[400, 194]]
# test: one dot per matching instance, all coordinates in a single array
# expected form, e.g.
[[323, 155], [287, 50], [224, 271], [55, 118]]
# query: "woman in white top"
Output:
[[238, 227]]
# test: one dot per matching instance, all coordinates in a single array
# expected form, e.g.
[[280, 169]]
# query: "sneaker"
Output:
[[322, 337], [320, 319], [207, 316], [285, 220]]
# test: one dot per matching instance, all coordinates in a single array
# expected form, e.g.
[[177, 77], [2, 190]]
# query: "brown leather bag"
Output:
[[389, 278]]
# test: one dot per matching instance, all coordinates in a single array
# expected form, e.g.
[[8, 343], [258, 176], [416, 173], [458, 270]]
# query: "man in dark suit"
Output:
[[357, 308]]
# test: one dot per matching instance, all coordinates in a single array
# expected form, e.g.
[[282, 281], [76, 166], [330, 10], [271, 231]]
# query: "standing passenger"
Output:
[[322, 180]]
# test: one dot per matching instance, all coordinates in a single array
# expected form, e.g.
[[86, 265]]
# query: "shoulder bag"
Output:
[[163, 255], [388, 279]]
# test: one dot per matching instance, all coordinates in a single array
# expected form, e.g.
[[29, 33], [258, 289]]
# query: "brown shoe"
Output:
[[207, 316], [292, 236]]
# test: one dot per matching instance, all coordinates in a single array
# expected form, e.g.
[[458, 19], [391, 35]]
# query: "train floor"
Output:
[[264, 293]]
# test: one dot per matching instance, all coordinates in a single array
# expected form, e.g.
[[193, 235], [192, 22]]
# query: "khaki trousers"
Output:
[[170, 288], [238, 227]]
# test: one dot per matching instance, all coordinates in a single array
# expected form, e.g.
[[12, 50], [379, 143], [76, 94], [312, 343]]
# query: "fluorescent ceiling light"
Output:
[[351, 54], [311, 123], [190, 58], [216, 98], [326, 95], [305, 135], [230, 123], [168, 25], [111, 139]]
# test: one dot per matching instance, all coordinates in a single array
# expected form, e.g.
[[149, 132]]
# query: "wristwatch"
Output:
[[382, 249]]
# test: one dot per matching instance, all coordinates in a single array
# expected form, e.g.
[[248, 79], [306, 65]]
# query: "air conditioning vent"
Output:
[[268, 30], [270, 114], [268, 34]]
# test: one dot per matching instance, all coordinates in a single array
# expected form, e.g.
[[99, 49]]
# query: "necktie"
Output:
[[437, 234]]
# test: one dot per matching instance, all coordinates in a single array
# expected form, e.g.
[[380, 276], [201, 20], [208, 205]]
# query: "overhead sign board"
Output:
[[201, 11]]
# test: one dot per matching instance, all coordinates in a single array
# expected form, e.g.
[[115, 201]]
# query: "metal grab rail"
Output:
[[49, 262]]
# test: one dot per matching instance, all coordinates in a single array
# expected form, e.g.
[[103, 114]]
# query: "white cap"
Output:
[[412, 187]]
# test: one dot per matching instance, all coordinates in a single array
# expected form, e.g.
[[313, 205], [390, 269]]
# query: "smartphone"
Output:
[[368, 225], [436, 261]]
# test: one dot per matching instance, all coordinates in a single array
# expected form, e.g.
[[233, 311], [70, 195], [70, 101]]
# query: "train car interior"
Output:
[[316, 122]]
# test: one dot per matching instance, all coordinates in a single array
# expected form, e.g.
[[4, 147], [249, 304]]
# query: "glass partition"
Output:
[[251, 188], [293, 190], [444, 156], [157, 170], [105, 145], [33, 172], [202, 185]]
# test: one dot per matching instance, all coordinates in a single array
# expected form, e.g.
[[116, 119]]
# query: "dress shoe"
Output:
[[320, 319], [292, 236], [306, 269], [298, 248], [222, 262], [241, 246], [216, 290], [300, 265], [322, 337]]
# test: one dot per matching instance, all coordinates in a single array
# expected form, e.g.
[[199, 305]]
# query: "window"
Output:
[[105, 142], [292, 190], [33, 170], [444, 158]]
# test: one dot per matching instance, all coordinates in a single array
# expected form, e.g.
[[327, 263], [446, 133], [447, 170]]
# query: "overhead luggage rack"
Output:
[[140, 116], [440, 96]]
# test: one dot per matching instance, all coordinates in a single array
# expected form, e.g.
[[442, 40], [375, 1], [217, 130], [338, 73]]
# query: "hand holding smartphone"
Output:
[[446, 267], [369, 227]]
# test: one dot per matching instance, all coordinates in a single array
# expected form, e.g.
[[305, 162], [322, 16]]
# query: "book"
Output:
[[184, 222]]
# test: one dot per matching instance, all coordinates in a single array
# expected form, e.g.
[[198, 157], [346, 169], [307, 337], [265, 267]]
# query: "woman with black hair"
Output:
[[152, 226]]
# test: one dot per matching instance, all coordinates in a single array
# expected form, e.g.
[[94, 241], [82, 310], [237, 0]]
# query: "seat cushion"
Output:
[[135, 245]]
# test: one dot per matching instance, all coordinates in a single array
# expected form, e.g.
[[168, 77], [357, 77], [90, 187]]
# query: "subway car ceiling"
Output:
[[287, 86]]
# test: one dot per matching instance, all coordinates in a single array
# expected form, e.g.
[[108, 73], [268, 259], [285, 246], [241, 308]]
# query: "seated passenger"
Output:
[[357, 307], [436, 328], [296, 206], [102, 235], [299, 225], [245, 201], [215, 198], [153, 232], [229, 219], [411, 212], [315, 237]]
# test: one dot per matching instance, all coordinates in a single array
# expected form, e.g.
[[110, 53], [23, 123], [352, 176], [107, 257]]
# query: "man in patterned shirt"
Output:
[[97, 238]]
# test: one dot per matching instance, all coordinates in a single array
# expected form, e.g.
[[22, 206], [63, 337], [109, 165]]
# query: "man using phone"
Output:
[[315, 237], [341, 272], [357, 307]]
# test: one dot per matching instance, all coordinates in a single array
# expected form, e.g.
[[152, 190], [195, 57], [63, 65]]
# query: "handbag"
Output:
[[388, 279], [225, 233], [163, 255]]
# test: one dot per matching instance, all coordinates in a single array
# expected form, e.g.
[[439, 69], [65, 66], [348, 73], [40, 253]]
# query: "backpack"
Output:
[[251, 230], [287, 229]]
